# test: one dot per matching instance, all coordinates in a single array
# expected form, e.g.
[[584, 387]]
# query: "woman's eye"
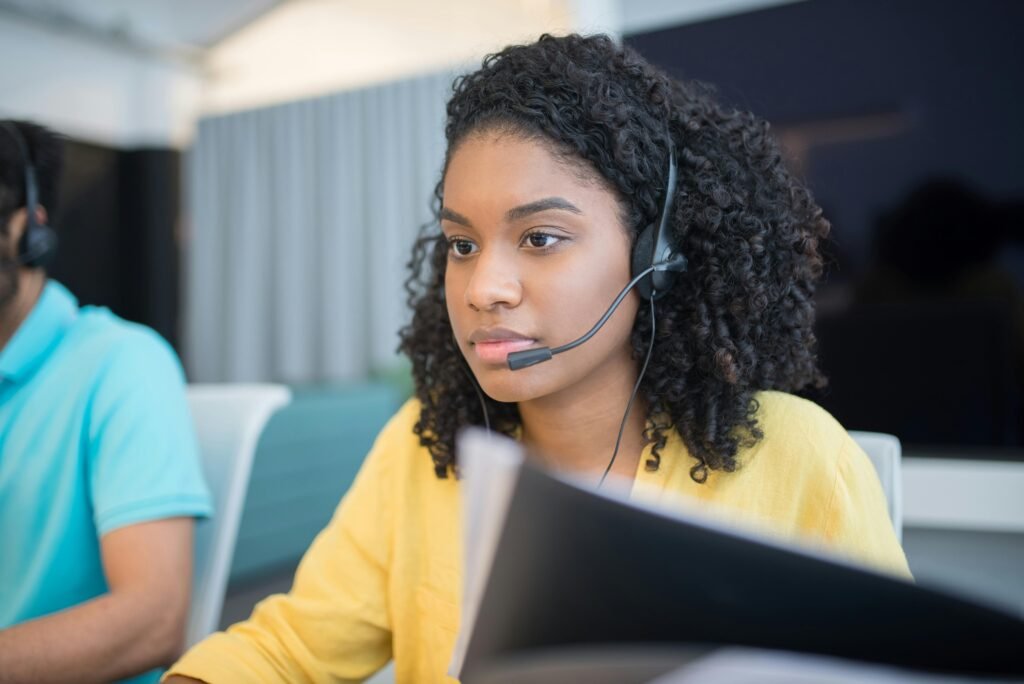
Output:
[[541, 240], [461, 246]]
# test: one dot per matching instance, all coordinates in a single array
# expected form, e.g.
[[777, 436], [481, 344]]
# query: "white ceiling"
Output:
[[308, 47], [191, 27], [137, 72], [172, 26]]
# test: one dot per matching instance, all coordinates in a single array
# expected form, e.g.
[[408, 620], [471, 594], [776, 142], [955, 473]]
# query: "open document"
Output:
[[552, 567]]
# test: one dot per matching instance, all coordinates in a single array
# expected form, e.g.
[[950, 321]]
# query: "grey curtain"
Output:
[[301, 218]]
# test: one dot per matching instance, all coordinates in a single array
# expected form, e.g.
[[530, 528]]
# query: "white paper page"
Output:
[[489, 464]]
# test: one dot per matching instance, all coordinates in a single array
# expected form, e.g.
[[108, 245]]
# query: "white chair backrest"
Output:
[[228, 419], [885, 453]]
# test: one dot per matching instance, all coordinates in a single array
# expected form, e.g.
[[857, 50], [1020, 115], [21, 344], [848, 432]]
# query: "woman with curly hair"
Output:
[[560, 154]]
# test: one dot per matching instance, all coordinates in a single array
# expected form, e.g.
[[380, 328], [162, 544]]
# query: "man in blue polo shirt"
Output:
[[100, 480]]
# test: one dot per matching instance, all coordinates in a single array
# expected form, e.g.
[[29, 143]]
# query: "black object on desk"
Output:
[[576, 568]]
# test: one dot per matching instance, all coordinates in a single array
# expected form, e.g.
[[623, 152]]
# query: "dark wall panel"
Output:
[[88, 222], [117, 224]]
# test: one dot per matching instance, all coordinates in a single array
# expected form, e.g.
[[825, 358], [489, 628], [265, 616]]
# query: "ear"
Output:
[[16, 224], [11, 236]]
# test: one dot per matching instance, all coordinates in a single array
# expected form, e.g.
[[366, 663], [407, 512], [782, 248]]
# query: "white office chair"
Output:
[[885, 453], [228, 420]]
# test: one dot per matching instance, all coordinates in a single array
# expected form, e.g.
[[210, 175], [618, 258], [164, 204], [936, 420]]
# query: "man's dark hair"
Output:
[[46, 152], [737, 322]]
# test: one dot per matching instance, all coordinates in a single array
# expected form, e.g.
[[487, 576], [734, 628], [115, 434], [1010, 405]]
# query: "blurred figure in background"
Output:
[[942, 311], [100, 479], [942, 241]]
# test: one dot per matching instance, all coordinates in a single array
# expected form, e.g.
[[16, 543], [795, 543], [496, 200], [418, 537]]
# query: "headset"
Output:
[[38, 244], [655, 266], [654, 252]]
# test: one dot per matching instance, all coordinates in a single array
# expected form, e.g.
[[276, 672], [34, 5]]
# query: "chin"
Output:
[[506, 392], [512, 387]]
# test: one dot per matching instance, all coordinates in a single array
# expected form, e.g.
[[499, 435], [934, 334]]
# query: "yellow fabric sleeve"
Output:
[[857, 521], [333, 626]]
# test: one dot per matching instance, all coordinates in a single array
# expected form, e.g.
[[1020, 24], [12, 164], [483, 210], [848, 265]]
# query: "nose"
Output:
[[494, 282]]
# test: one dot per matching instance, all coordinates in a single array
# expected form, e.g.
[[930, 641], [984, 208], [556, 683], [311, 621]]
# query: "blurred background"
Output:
[[247, 176]]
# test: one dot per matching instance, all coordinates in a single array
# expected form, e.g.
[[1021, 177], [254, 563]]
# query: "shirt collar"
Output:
[[39, 333]]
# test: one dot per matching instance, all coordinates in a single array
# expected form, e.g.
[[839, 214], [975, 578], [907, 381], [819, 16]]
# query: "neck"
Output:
[[575, 430], [17, 309]]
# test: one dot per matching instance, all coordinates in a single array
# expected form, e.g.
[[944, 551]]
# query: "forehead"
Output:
[[505, 169]]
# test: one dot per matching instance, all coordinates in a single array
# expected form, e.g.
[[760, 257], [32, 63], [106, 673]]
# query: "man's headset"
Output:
[[38, 244]]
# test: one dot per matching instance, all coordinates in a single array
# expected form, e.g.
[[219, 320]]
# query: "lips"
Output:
[[493, 345]]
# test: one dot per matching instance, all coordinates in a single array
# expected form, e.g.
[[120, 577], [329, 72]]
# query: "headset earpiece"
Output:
[[38, 245], [654, 247]]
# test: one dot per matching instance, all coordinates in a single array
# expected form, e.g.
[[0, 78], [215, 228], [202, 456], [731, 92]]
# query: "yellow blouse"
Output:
[[382, 580]]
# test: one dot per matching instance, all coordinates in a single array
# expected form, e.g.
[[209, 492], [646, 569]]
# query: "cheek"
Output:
[[454, 297], [452, 293], [582, 292]]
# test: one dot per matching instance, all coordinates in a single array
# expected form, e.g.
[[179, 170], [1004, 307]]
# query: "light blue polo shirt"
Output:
[[95, 434]]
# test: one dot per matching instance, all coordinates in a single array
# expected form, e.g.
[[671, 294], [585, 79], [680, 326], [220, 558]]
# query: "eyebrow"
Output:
[[545, 204], [455, 217], [516, 213]]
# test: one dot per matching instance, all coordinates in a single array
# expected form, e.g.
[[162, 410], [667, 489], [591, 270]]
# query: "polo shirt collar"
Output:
[[39, 333]]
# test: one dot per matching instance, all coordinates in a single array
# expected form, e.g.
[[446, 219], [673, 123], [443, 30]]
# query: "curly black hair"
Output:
[[739, 321]]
